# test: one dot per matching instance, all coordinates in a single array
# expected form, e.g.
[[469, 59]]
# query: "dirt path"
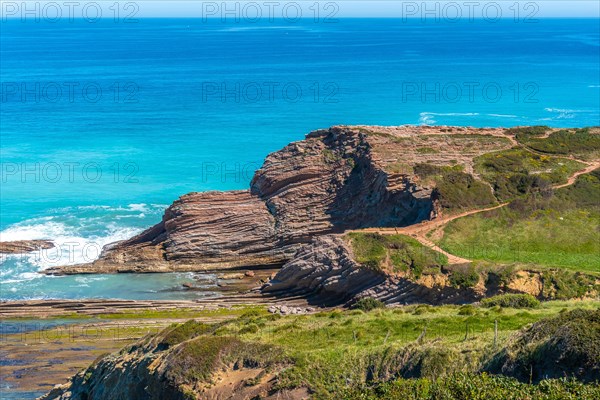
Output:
[[573, 178], [420, 231]]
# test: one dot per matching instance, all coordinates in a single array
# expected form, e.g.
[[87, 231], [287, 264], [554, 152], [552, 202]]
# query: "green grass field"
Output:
[[559, 230]]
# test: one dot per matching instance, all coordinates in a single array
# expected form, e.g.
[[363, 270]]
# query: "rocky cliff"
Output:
[[336, 179], [326, 272]]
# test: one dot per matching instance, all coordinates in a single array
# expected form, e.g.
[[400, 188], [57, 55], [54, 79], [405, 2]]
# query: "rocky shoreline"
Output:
[[25, 246]]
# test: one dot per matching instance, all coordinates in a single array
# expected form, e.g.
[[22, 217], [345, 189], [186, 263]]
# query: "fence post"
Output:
[[422, 335], [495, 333]]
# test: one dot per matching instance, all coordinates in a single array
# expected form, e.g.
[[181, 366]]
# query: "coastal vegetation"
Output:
[[518, 172], [580, 142], [422, 352], [454, 188], [395, 253]]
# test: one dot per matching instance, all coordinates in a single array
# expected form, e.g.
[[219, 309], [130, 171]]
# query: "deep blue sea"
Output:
[[104, 124]]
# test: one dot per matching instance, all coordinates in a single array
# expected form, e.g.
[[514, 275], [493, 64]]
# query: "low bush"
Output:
[[526, 132], [197, 360], [567, 345], [250, 328], [511, 300], [368, 304], [456, 189], [467, 309], [394, 253], [183, 332], [463, 386], [562, 285], [464, 276]]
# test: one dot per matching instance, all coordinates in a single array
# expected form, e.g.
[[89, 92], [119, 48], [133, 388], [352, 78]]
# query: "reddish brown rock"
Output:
[[24, 246], [336, 179]]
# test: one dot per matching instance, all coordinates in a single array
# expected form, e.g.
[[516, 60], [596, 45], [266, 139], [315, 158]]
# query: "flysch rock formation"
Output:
[[325, 272], [336, 179]]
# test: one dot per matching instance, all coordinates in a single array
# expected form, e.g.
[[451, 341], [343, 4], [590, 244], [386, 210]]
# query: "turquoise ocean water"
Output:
[[103, 125]]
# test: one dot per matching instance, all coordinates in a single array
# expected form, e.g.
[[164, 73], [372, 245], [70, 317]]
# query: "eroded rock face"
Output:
[[336, 179], [324, 269], [327, 183], [325, 272], [24, 246]]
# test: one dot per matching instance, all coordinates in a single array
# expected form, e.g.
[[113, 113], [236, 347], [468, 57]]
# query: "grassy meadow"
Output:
[[560, 229]]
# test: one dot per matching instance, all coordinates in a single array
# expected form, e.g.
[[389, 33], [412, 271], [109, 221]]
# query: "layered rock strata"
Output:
[[24, 246], [336, 179], [325, 272], [330, 182]]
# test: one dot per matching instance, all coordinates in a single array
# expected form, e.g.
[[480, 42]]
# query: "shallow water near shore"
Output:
[[179, 113]]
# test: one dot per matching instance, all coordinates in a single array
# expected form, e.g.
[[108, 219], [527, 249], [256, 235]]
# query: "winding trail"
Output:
[[421, 231], [590, 167]]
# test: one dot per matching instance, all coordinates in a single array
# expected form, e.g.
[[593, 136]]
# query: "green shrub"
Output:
[[511, 300], [526, 132], [368, 249], [456, 189], [467, 309], [197, 360], [464, 277], [517, 172], [562, 285], [250, 328], [368, 304], [462, 386]]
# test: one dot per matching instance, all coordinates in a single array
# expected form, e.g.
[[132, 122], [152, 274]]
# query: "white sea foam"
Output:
[[73, 245], [564, 113], [503, 115], [428, 118], [138, 207]]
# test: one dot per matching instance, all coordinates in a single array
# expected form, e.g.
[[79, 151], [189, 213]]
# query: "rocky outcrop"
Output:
[[326, 273], [24, 246], [179, 363], [336, 179], [327, 183]]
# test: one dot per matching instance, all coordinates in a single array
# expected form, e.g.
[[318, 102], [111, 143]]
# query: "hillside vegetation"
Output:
[[559, 229], [395, 253], [413, 352], [582, 142]]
